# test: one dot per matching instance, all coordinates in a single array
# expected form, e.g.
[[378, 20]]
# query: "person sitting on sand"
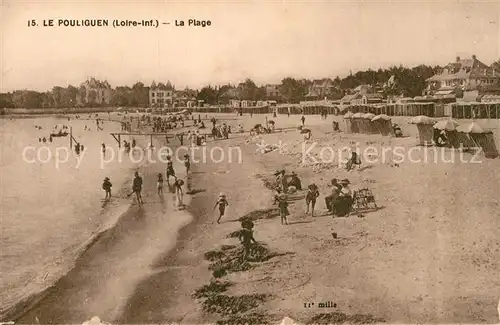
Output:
[[170, 169], [159, 184], [222, 203], [283, 208], [295, 181], [354, 160], [106, 186], [246, 237], [344, 202], [178, 191], [240, 128], [397, 131], [311, 196], [137, 187], [332, 198]]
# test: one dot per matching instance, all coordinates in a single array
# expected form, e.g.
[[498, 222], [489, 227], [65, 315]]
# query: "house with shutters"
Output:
[[94, 92], [464, 78], [161, 95]]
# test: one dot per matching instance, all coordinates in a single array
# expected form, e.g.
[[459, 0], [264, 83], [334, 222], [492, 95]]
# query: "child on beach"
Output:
[[283, 207], [137, 187], [170, 169], [311, 196], [106, 186], [178, 191], [222, 203], [246, 237], [187, 163], [159, 184]]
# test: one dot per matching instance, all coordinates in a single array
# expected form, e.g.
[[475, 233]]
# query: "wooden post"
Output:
[[119, 141], [71, 137], [151, 139]]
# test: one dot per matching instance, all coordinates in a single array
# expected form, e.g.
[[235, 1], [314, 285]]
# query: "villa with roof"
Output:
[[94, 91], [462, 76], [161, 95]]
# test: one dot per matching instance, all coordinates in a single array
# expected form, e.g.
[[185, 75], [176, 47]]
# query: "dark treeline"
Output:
[[407, 82]]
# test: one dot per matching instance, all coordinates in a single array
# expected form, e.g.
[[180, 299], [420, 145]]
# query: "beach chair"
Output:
[[363, 199]]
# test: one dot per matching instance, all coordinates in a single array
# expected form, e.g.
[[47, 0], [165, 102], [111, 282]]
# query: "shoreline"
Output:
[[42, 302]]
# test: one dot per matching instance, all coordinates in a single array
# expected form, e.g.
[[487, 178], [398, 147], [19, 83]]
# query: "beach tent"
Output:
[[356, 121], [382, 124], [422, 119], [483, 139], [348, 122], [464, 139], [446, 125], [449, 126], [370, 127], [425, 129]]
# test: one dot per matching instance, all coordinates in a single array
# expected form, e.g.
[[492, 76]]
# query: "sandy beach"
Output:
[[426, 255]]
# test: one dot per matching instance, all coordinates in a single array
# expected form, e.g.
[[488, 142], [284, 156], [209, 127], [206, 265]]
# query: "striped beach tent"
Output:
[[383, 124], [369, 126], [425, 129], [348, 122]]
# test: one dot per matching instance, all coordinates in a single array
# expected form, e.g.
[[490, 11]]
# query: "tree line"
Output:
[[409, 82]]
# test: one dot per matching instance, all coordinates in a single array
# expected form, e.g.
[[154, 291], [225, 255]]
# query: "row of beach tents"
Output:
[[465, 136], [368, 123]]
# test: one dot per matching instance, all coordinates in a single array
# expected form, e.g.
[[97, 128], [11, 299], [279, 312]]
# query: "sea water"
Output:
[[49, 210]]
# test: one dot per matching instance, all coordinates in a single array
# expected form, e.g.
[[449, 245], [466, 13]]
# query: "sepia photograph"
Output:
[[249, 162]]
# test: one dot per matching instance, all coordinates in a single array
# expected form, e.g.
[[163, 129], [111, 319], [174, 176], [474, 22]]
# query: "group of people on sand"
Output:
[[338, 202], [175, 187]]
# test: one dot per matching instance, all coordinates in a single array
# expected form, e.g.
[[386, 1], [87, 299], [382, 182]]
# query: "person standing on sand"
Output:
[[303, 120], [137, 187], [311, 196], [103, 150], [170, 169], [159, 184], [187, 163], [106, 186], [246, 237], [283, 207], [222, 203]]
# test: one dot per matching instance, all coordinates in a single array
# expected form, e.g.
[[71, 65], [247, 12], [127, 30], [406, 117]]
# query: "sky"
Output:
[[262, 40]]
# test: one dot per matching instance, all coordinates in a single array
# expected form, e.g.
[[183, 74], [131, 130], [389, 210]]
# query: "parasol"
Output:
[[369, 116], [381, 117], [471, 128], [446, 125], [348, 115], [422, 119]]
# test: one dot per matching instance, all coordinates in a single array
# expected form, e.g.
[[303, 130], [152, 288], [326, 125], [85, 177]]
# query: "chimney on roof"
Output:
[[458, 59], [473, 56]]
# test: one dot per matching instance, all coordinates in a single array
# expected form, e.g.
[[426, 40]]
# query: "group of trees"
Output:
[[135, 96], [61, 97], [408, 82]]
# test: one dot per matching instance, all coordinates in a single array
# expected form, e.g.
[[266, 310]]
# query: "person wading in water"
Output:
[[106, 186], [137, 188]]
